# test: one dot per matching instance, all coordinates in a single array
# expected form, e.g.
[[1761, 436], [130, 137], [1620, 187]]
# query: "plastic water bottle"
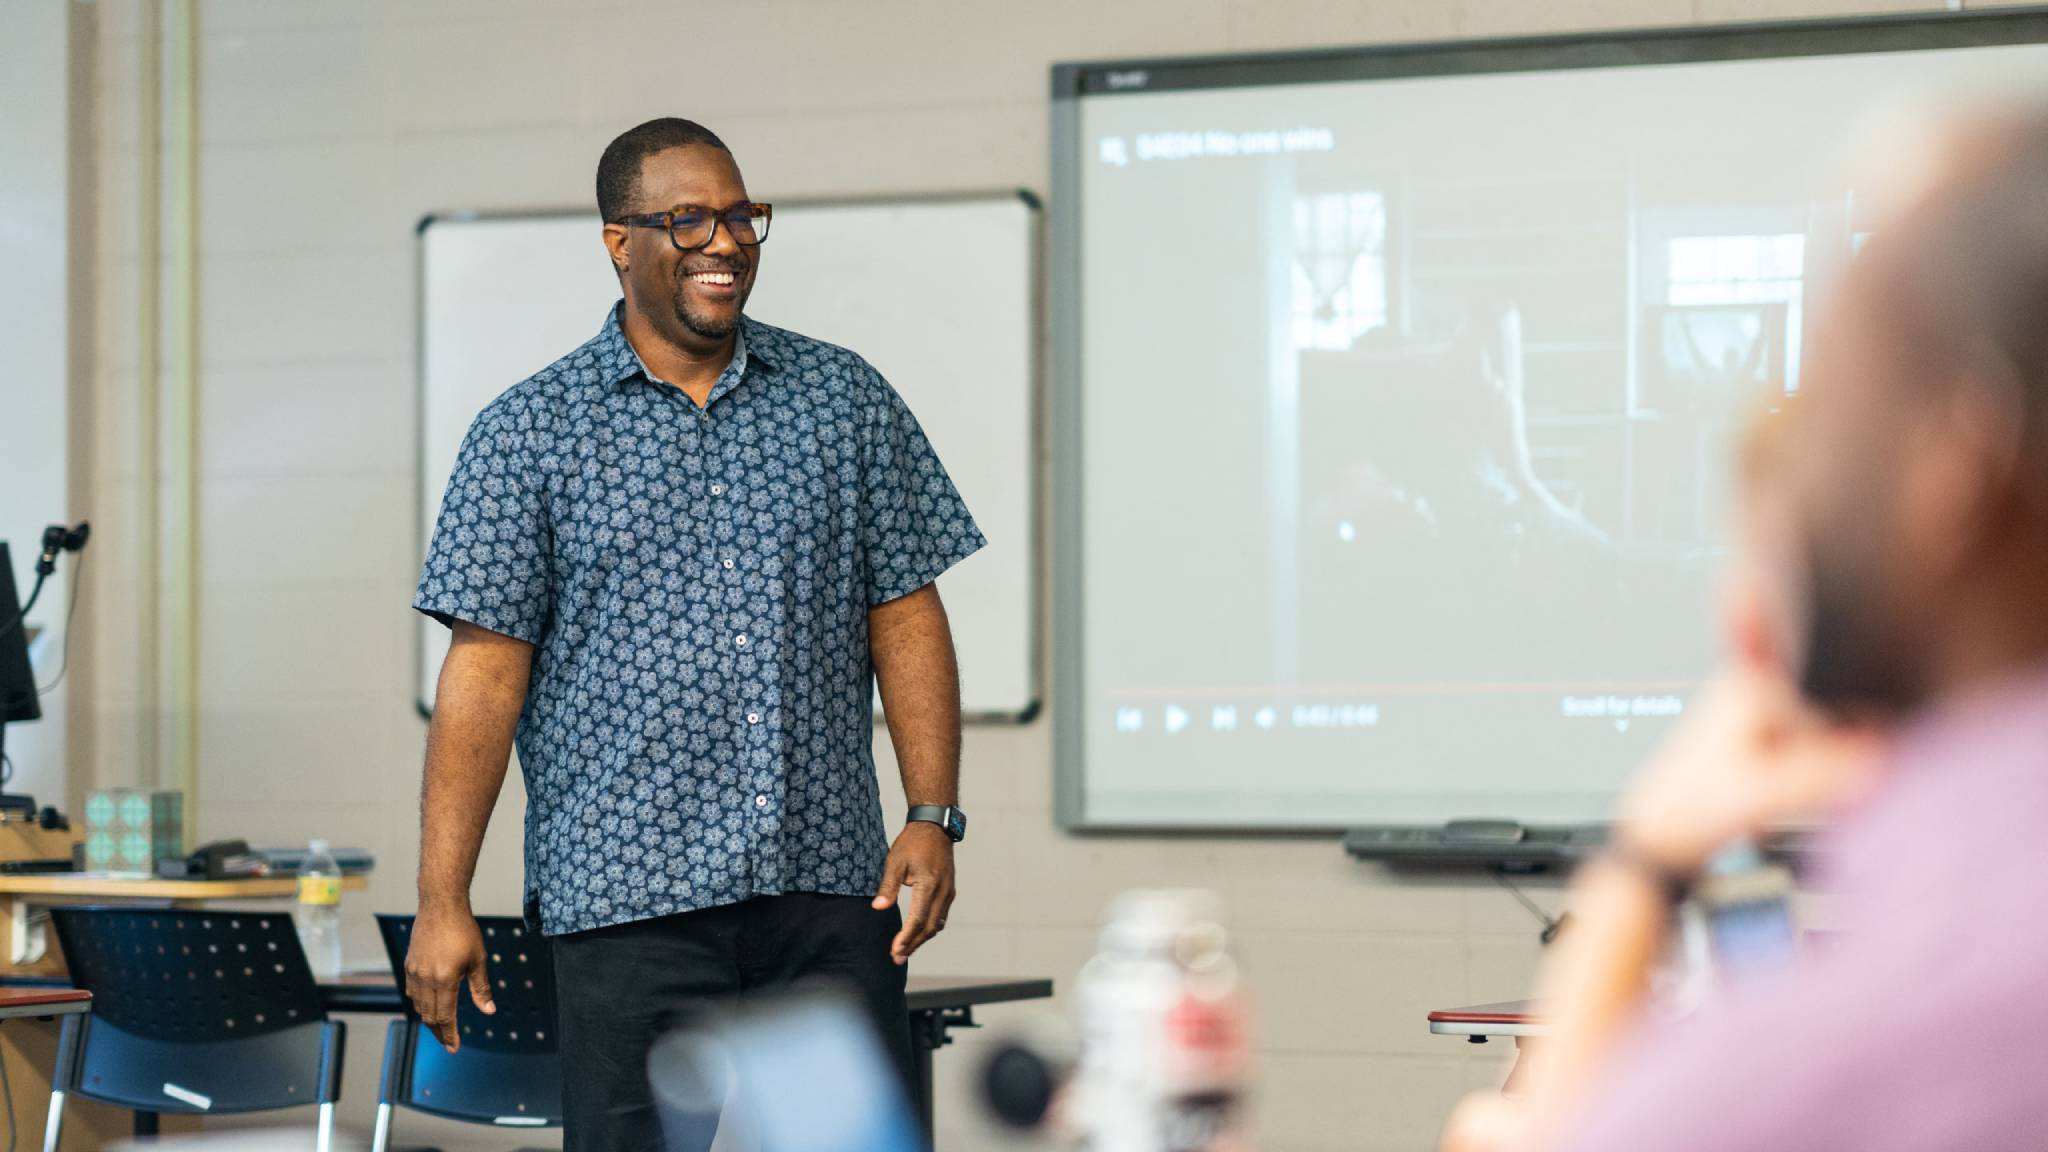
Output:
[[1165, 1053], [318, 916]]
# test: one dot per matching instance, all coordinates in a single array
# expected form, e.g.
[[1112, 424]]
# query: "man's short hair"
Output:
[[1970, 267], [618, 170]]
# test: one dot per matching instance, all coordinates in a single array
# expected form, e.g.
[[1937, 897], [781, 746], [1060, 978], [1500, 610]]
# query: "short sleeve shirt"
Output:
[[696, 582]]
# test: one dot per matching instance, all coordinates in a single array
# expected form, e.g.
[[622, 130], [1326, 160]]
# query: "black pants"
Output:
[[621, 988]]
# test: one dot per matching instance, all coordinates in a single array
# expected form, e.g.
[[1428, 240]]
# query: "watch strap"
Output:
[[940, 814]]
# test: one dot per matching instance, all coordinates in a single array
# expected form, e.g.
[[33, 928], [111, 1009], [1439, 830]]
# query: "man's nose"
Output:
[[722, 244]]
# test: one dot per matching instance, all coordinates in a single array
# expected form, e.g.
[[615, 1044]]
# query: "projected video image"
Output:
[[1700, 353], [1409, 408]]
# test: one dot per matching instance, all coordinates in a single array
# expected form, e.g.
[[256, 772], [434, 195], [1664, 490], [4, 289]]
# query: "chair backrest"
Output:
[[509, 1070], [522, 970], [198, 1011]]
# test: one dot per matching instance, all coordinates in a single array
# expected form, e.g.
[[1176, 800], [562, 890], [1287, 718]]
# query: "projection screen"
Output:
[[1394, 393]]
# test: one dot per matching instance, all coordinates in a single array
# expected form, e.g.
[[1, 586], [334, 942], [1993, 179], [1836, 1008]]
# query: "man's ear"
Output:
[[615, 245], [1746, 629], [1961, 478]]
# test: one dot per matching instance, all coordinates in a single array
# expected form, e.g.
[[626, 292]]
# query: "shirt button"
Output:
[[753, 717], [728, 565], [718, 489], [760, 801], [740, 640]]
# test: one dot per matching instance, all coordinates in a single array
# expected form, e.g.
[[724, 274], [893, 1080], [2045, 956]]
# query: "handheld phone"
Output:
[[1745, 918]]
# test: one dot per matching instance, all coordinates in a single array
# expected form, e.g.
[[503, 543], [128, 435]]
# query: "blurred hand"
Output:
[[1748, 757], [447, 949], [923, 861], [1485, 1122]]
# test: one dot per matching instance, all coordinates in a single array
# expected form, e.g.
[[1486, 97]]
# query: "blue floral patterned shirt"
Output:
[[696, 583]]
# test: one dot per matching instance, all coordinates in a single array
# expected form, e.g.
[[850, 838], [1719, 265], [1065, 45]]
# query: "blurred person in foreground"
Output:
[[1897, 580]]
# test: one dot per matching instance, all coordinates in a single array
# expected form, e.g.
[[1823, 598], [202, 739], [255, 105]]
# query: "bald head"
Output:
[[1922, 475]]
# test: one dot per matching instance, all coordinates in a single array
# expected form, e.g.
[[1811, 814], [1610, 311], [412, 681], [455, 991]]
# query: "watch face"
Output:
[[956, 823]]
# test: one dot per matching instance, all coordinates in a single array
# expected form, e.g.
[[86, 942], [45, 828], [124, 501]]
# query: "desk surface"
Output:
[[102, 885], [377, 993], [42, 1002], [929, 993], [1506, 1018]]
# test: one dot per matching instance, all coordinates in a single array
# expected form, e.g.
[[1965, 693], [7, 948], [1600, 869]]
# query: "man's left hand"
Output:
[[922, 860]]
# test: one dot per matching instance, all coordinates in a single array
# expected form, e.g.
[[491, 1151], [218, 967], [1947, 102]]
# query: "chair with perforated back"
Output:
[[193, 1012], [508, 1071]]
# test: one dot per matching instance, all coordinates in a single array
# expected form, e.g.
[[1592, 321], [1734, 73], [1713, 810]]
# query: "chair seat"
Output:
[[278, 1070], [433, 1148]]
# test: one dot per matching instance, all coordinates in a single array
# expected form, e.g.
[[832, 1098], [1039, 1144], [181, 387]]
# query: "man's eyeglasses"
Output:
[[690, 229]]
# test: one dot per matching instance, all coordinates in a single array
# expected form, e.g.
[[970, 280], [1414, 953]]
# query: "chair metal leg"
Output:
[[380, 1140], [53, 1130], [324, 1142], [398, 1037]]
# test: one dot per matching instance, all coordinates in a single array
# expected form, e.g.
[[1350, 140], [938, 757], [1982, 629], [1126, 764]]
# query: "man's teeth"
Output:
[[723, 278]]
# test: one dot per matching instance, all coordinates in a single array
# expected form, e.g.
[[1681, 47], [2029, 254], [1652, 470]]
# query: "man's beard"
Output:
[[1854, 659], [705, 326]]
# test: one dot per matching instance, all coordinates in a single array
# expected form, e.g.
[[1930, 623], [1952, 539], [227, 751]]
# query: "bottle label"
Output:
[[319, 889]]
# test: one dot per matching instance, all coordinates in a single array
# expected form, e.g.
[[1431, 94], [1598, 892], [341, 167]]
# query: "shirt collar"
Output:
[[619, 364]]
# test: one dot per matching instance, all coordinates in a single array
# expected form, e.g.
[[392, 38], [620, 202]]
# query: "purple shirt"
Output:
[[1924, 1023]]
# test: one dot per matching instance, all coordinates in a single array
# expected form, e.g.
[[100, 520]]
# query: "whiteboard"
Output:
[[955, 331]]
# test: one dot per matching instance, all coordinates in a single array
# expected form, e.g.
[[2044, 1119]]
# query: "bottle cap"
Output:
[[318, 847], [1155, 922]]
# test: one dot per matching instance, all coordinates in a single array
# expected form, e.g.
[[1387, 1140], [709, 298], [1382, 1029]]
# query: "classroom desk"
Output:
[[17, 892], [1478, 1023], [938, 1004], [1516, 1018], [43, 1003], [113, 886]]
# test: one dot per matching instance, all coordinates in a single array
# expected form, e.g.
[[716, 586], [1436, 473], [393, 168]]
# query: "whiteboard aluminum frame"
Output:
[[1096, 80], [1035, 376]]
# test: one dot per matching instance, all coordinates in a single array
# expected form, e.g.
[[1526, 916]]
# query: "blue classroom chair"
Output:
[[193, 1012], [509, 1072]]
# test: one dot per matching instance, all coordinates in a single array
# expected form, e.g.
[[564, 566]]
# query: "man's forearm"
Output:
[[912, 646], [1597, 982], [469, 746]]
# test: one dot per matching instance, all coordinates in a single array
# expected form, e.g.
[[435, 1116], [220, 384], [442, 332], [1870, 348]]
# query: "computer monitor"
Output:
[[18, 701]]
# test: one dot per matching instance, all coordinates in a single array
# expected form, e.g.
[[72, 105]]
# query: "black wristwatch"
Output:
[[952, 819]]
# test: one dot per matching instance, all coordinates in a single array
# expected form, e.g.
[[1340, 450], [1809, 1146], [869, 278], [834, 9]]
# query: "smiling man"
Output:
[[676, 562]]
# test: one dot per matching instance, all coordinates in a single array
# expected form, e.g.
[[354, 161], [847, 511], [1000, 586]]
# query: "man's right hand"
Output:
[[447, 949], [1748, 758]]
